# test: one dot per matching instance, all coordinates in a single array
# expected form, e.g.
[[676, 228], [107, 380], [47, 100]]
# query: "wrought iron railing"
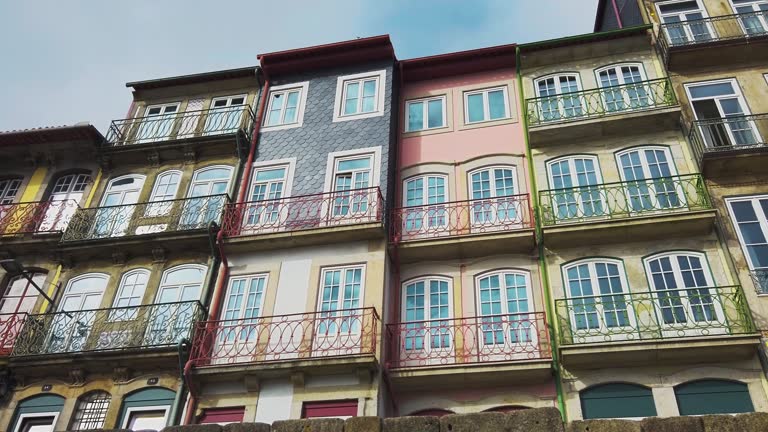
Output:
[[711, 29], [460, 218], [470, 340], [311, 335], [760, 279], [626, 199], [600, 102], [37, 217], [169, 216], [653, 315], [182, 125], [10, 326], [324, 210], [134, 327], [721, 135]]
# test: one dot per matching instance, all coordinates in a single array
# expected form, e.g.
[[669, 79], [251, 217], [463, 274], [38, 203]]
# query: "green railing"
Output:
[[605, 101], [653, 315], [623, 200]]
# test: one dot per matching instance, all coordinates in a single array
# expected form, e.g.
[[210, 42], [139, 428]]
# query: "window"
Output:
[[157, 123], [631, 95], [67, 189], [225, 116], [422, 197], [360, 96], [145, 419], [575, 180], [243, 303], [750, 215], [146, 409], [222, 416], [20, 295], [8, 190], [617, 400], [286, 106], [129, 294], [492, 192], [723, 116], [427, 301], [269, 185], [175, 305], [91, 411], [165, 189], [37, 413], [422, 114], [649, 175], [753, 15], [504, 298], [486, 105], [206, 197], [684, 22], [113, 217], [553, 106], [713, 396], [355, 172], [69, 332], [331, 409], [341, 289]]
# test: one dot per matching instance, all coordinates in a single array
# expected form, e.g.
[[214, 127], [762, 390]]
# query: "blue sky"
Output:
[[66, 61]]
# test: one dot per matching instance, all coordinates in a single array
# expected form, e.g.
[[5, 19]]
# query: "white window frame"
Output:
[[649, 183], [558, 88], [736, 93], [22, 417], [281, 205], [166, 272], [343, 269], [578, 190], [290, 166], [572, 168], [155, 206], [330, 169], [118, 316], [341, 83], [486, 106], [763, 222], [247, 278], [428, 334], [333, 319], [4, 195], [425, 117], [130, 411], [303, 88], [624, 97], [424, 193], [686, 29], [759, 14], [497, 203], [562, 115], [644, 161]]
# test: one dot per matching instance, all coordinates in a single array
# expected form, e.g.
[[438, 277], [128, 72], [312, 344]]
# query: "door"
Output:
[[66, 193], [650, 181], [240, 329], [684, 301], [175, 306], [18, 299], [72, 325], [722, 114], [427, 333], [351, 179], [206, 197], [753, 15], [576, 193], [340, 320], [750, 216], [631, 94], [684, 22], [494, 205], [225, 115], [113, 218], [267, 208], [505, 328], [559, 98], [8, 190], [157, 123], [424, 213]]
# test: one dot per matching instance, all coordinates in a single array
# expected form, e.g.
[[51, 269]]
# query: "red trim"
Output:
[[616, 11], [222, 415], [462, 62], [343, 408]]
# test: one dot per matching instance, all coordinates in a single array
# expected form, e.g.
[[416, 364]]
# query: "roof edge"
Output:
[[241, 72], [587, 37]]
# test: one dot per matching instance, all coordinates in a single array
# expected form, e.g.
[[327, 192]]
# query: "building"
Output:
[[646, 304]]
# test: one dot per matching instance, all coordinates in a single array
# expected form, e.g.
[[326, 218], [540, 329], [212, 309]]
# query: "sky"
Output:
[[67, 61]]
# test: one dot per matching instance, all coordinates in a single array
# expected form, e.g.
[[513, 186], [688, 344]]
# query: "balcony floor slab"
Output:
[[310, 237], [471, 375], [492, 243]]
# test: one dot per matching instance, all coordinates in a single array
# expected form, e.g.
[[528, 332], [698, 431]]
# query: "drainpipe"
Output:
[[213, 311], [541, 250], [616, 12]]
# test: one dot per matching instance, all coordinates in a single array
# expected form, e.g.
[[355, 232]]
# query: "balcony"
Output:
[[464, 228], [82, 332], [22, 223], [10, 325], [513, 346], [589, 114], [730, 146], [304, 220], [179, 219], [623, 211], [675, 325], [284, 343], [722, 40], [172, 134]]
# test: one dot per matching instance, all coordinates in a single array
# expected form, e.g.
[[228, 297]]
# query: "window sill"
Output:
[[432, 131], [280, 127], [487, 123], [337, 118]]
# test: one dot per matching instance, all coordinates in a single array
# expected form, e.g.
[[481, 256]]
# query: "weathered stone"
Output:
[[246, 427], [722, 423], [477, 422], [412, 424], [535, 420], [363, 424], [754, 422], [604, 426], [309, 425], [193, 428], [673, 424]]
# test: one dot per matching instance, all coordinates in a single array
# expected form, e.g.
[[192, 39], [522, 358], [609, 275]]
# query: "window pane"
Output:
[[353, 164], [711, 90], [435, 114], [475, 108], [350, 103], [415, 116], [271, 174], [496, 104]]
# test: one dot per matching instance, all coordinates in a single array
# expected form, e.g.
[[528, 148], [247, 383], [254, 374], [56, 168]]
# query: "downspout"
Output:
[[616, 12], [541, 250], [213, 311]]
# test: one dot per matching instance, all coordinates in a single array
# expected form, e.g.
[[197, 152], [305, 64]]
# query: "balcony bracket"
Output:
[[252, 383], [297, 378]]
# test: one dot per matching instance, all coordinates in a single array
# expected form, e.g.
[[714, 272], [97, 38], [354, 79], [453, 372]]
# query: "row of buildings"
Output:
[[578, 223]]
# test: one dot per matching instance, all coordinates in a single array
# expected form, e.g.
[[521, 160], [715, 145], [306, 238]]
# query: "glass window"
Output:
[[20, 295], [552, 104], [631, 95], [130, 293], [597, 303], [750, 216], [617, 400], [485, 105], [285, 106], [269, 184], [575, 195], [427, 301], [360, 94], [713, 396], [330, 409], [157, 124], [722, 115], [341, 293], [424, 114], [503, 299], [8, 190], [753, 15], [684, 22], [91, 411], [492, 190], [225, 116], [243, 303], [649, 173]]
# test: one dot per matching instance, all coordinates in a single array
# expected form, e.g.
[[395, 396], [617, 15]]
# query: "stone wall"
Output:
[[532, 420]]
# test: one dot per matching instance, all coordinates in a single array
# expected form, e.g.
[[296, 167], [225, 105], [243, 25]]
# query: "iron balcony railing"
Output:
[[626, 199], [169, 216], [10, 326], [83, 331], [307, 336], [662, 314], [460, 218], [470, 340], [39, 217], [183, 125], [296, 213], [760, 279], [721, 135], [601, 102], [712, 29]]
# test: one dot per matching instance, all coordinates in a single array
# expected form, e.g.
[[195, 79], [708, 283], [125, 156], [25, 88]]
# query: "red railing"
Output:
[[10, 326], [36, 217], [461, 218], [471, 340], [304, 212], [312, 335]]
